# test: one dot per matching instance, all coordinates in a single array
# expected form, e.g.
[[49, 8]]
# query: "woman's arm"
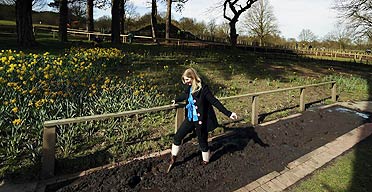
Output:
[[180, 98], [183, 96], [215, 102]]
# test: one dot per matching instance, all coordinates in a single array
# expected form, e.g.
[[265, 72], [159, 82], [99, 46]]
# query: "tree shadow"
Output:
[[263, 116], [362, 166], [73, 165]]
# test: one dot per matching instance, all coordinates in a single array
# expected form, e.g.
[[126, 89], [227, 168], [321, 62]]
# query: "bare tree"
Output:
[[223, 30], [341, 35], [63, 13], [168, 19], [123, 4], [36, 4], [154, 22], [236, 9], [260, 21], [187, 24], [90, 4], [25, 35], [90, 21], [307, 35], [130, 15], [115, 22], [357, 14], [212, 26], [77, 8]]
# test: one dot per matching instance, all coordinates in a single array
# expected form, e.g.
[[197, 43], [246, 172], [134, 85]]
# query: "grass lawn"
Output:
[[351, 172]]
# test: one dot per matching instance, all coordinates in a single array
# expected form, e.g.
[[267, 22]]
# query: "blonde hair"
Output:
[[196, 82]]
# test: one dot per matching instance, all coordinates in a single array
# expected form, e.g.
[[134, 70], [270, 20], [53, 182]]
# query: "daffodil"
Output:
[[3, 59], [15, 109], [17, 121]]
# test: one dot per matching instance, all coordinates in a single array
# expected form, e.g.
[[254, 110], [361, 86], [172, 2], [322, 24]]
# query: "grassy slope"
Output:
[[231, 72], [7, 22]]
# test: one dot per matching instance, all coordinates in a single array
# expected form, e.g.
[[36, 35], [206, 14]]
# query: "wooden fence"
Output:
[[49, 132], [205, 41], [356, 56]]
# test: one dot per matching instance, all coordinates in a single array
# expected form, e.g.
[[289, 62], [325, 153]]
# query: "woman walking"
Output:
[[199, 114]]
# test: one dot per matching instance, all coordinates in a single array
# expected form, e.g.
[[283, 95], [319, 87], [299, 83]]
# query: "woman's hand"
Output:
[[233, 116]]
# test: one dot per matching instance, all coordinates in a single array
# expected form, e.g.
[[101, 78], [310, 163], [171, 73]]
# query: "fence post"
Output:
[[48, 152], [254, 110], [302, 99], [180, 116], [334, 92]]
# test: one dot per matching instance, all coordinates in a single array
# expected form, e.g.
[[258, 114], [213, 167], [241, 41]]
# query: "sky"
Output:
[[292, 15]]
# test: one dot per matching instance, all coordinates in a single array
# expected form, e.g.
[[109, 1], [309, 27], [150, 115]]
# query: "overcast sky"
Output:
[[292, 15]]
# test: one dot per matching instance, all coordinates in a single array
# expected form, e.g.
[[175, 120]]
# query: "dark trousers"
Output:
[[187, 127]]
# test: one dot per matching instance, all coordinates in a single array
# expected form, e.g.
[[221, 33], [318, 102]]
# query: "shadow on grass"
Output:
[[362, 171], [45, 43], [77, 164], [362, 167]]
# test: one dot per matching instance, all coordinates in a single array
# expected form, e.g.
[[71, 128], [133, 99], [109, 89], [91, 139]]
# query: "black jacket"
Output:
[[203, 100]]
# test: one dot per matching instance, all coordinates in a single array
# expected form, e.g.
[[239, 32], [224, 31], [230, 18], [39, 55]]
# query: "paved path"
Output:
[[298, 169], [274, 181]]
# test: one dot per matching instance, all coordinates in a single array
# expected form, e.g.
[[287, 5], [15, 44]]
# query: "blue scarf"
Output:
[[191, 111]]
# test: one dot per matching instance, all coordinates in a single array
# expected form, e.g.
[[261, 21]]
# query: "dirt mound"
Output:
[[246, 155]]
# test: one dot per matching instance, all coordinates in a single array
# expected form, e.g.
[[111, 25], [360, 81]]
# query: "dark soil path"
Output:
[[246, 155]]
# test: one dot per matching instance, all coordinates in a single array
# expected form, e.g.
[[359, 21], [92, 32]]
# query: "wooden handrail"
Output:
[[108, 115], [276, 90], [49, 132]]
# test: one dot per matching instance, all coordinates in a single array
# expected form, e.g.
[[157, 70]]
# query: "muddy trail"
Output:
[[238, 158]]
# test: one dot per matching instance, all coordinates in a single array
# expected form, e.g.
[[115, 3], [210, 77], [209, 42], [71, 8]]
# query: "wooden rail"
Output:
[[356, 56], [90, 35], [49, 132]]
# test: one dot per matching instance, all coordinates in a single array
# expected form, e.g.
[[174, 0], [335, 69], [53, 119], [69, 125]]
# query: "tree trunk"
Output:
[[168, 20], [232, 5], [115, 22], [122, 15], [233, 35], [63, 11], [154, 22], [25, 35], [261, 41], [90, 21]]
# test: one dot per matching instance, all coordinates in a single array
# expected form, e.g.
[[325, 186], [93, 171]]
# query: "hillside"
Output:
[[7, 12]]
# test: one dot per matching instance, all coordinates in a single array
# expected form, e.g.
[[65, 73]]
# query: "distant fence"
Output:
[[49, 132], [205, 41], [356, 56]]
